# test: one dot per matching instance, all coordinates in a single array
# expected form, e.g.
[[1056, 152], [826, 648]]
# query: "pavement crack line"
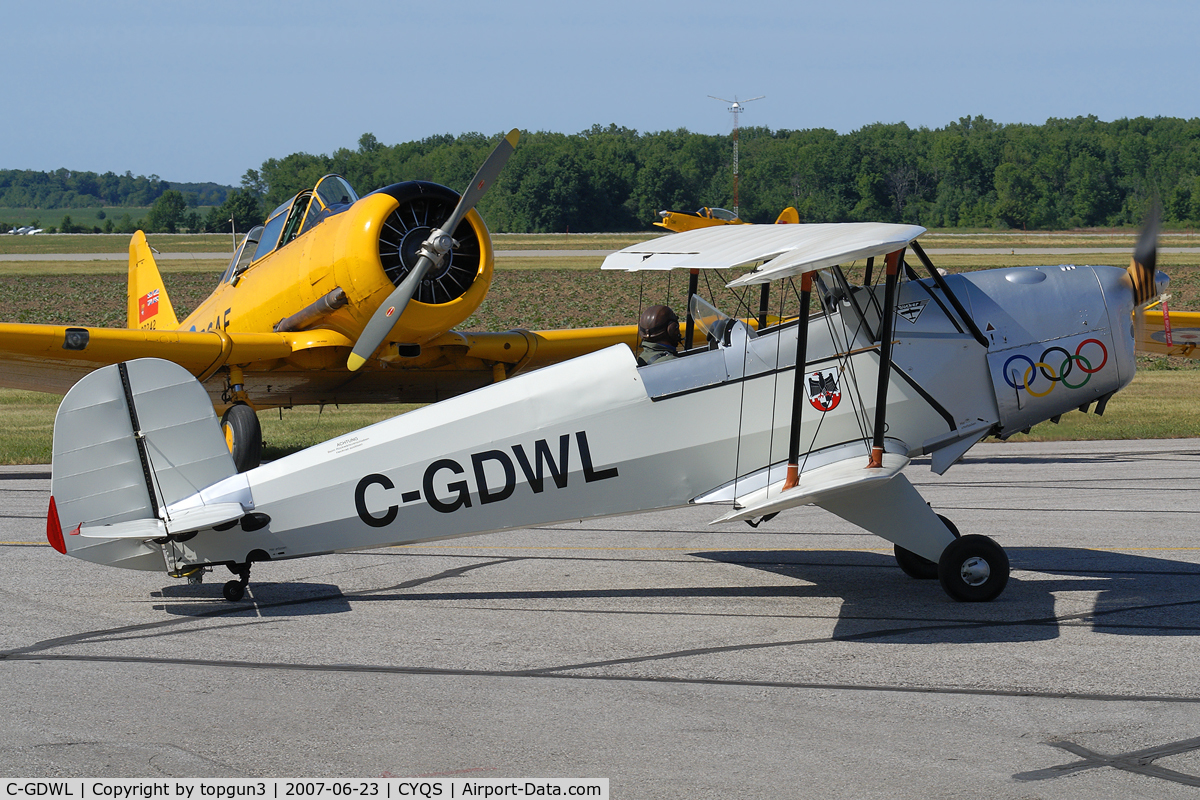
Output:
[[379, 669], [1140, 762]]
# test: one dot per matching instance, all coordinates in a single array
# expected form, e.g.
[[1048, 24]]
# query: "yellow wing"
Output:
[[1176, 333], [51, 358], [298, 368]]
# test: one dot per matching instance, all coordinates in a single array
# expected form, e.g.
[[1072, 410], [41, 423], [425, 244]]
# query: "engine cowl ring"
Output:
[[423, 207]]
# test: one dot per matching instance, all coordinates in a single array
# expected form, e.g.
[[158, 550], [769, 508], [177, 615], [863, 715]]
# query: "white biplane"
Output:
[[887, 372]]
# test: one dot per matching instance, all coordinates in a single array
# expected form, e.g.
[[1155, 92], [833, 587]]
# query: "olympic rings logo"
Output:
[[1046, 368]]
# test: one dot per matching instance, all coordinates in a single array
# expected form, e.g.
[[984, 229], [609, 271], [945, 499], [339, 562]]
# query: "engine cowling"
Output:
[[385, 233]]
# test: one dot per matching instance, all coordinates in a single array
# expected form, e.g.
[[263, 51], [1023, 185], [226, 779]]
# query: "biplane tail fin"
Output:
[[148, 305], [136, 457]]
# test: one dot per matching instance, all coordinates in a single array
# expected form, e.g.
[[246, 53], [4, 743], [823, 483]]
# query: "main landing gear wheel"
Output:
[[243, 436], [973, 569], [919, 567]]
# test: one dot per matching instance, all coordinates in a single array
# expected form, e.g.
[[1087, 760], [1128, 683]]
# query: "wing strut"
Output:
[[954, 301], [764, 297], [693, 284], [885, 353], [798, 390]]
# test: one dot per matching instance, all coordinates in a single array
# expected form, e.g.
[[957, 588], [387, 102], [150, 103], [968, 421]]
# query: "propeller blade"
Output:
[[483, 180], [433, 250], [1143, 266]]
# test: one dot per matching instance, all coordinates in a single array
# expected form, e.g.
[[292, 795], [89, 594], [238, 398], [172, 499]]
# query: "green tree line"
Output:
[[976, 173], [64, 188], [973, 173]]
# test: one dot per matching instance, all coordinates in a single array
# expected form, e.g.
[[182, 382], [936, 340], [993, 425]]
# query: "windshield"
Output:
[[334, 191], [714, 324]]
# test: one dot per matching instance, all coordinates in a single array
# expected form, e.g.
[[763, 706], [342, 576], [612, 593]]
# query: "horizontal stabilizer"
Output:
[[195, 519], [815, 486], [133, 529]]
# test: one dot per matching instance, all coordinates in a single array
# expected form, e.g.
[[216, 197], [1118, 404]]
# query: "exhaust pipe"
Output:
[[311, 314]]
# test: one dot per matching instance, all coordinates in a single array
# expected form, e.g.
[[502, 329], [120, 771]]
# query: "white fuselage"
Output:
[[599, 436]]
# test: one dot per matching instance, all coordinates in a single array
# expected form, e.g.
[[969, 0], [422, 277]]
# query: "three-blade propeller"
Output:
[[433, 251]]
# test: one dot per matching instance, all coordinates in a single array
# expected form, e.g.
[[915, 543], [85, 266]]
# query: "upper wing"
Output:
[[52, 358], [780, 250]]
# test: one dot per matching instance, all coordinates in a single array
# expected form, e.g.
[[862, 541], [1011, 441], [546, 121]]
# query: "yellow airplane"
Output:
[[706, 217], [1170, 333], [312, 310]]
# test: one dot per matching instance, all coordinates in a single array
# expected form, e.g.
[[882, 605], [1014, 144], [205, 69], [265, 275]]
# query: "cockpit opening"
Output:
[[292, 219]]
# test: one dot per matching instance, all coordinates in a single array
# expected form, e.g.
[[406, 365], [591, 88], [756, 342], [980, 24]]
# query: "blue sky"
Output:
[[203, 91]]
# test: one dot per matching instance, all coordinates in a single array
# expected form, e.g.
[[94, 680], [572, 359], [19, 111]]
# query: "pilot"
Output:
[[659, 329]]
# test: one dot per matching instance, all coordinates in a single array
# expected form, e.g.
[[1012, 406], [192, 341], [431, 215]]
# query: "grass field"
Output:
[[1159, 404], [52, 217], [570, 292]]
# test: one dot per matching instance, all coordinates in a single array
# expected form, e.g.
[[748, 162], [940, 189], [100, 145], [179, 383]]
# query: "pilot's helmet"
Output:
[[659, 324]]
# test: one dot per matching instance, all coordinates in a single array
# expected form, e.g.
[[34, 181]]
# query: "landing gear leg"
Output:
[[919, 567], [236, 590], [973, 569]]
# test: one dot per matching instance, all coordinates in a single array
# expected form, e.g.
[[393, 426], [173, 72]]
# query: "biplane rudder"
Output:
[[148, 306], [138, 457]]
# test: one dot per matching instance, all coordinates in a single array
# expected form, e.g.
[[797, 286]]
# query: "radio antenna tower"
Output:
[[736, 107]]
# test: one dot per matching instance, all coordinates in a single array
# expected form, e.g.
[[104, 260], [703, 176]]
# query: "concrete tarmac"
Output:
[[675, 658]]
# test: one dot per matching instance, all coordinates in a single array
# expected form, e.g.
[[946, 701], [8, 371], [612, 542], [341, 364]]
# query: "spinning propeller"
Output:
[[1143, 274], [433, 251], [1145, 258]]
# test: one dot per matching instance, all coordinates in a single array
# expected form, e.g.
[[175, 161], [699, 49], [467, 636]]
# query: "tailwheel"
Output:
[[235, 590], [973, 569], [243, 436], [919, 567]]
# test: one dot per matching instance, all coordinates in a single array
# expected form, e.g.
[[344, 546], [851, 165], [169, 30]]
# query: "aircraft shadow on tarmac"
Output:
[[1134, 595], [265, 599]]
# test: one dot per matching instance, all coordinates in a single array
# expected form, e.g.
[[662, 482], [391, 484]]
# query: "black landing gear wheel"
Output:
[[973, 569], [919, 567], [235, 590], [243, 436]]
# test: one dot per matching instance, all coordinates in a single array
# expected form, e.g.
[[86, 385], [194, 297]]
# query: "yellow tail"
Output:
[[148, 308]]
